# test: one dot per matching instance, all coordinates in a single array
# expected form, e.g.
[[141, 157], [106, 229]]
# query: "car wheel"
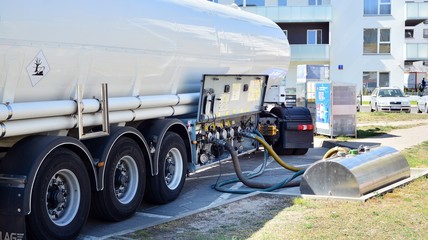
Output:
[[371, 109]]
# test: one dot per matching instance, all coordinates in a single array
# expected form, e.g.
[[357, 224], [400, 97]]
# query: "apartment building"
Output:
[[368, 43]]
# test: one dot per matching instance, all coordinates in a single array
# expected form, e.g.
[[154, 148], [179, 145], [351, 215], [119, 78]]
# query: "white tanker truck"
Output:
[[104, 103]]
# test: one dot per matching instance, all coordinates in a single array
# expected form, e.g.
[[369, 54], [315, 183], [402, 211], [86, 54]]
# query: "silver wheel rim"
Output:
[[63, 197], [173, 168], [126, 179]]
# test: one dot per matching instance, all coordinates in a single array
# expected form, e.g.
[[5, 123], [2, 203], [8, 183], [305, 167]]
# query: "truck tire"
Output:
[[371, 109], [282, 151], [167, 184], [61, 197], [300, 151], [125, 178]]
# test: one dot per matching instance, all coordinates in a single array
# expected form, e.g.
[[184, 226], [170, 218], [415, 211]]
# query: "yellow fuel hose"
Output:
[[274, 155], [335, 150]]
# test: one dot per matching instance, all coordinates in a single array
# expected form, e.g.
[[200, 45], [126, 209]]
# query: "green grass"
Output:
[[371, 131], [386, 117], [417, 156]]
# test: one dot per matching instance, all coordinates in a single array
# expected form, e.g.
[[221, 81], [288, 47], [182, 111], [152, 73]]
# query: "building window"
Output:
[[372, 80], [250, 3], [377, 41], [285, 33], [408, 33], [369, 82], [314, 2], [377, 7], [385, 41], [282, 3], [384, 79], [426, 33], [314, 36]]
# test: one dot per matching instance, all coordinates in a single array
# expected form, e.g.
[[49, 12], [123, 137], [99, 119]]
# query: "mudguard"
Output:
[[100, 148], [18, 171], [155, 131]]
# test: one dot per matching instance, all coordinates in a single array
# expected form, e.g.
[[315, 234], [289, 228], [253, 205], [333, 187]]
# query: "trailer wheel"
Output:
[[61, 197], [166, 186], [125, 176]]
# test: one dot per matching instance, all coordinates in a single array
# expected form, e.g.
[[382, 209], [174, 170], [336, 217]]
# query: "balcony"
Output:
[[417, 51], [293, 13], [416, 12], [309, 53]]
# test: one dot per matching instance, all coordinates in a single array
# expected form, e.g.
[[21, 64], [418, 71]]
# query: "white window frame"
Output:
[[378, 75], [379, 43], [285, 3], [384, 4], [409, 33], [285, 32], [379, 4], [315, 3], [317, 31]]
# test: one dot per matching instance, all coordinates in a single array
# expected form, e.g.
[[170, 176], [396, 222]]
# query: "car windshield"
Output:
[[390, 93]]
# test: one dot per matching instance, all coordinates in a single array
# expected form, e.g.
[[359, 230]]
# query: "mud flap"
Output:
[[12, 210], [12, 227]]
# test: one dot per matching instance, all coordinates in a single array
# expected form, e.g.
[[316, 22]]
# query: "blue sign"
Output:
[[323, 103]]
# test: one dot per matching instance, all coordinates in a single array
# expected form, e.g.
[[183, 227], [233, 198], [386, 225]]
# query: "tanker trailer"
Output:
[[104, 103]]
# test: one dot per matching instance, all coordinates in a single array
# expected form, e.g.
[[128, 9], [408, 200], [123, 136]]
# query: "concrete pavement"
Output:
[[399, 139]]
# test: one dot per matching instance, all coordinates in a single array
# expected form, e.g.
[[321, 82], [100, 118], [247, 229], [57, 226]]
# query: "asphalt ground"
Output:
[[198, 193]]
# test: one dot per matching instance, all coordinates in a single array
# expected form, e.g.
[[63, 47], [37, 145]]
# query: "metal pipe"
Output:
[[38, 125], [31, 110]]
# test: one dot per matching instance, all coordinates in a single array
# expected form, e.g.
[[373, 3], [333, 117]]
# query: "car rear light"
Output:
[[305, 127]]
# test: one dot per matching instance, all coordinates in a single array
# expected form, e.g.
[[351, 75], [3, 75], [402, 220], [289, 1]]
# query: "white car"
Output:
[[389, 99], [423, 102]]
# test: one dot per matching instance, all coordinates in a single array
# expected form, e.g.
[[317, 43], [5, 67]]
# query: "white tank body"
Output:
[[137, 47]]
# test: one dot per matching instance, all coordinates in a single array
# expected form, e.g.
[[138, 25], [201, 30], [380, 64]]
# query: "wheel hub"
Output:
[[169, 168], [121, 180], [56, 197]]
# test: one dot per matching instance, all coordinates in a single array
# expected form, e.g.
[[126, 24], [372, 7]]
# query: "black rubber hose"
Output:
[[238, 170], [286, 183]]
